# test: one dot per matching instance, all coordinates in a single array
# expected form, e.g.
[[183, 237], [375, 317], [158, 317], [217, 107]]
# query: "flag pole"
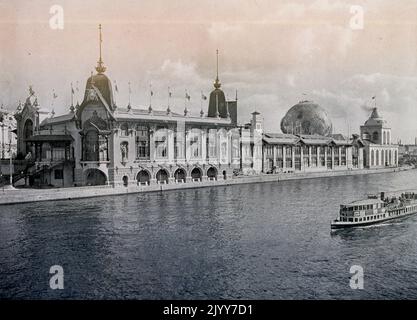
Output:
[[130, 91], [150, 95], [72, 96]]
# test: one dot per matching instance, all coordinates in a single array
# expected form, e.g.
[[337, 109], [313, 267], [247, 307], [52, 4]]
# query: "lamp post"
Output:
[[11, 158], [2, 141]]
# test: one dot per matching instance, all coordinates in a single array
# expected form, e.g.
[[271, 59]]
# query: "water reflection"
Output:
[[254, 241]]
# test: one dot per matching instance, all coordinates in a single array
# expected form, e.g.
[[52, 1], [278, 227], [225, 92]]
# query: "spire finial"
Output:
[[217, 83], [100, 66]]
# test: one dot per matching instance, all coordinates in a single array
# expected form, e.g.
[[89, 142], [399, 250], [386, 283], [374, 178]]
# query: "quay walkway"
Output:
[[33, 195]]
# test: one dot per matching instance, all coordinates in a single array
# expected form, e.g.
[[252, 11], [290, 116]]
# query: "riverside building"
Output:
[[100, 143]]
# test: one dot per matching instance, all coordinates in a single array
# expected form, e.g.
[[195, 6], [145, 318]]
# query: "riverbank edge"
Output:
[[18, 196]]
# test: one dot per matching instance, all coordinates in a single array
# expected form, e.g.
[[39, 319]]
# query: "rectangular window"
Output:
[[343, 159], [212, 138], [329, 157], [288, 157], [102, 148], [306, 157], [314, 156], [336, 156], [195, 143], [280, 157], [235, 147], [142, 142], [322, 156], [297, 160], [161, 142], [355, 156]]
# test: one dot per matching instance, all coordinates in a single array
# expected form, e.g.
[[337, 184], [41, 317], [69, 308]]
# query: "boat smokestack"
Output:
[[382, 196]]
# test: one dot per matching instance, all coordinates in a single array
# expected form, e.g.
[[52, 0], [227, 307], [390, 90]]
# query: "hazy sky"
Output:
[[275, 53]]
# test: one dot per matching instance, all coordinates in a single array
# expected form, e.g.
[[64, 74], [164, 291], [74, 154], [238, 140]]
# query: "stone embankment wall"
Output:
[[34, 195]]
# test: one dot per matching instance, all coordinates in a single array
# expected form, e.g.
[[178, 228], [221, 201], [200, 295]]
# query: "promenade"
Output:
[[33, 195]]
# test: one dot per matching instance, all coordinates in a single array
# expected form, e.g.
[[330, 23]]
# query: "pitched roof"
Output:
[[58, 119], [51, 137]]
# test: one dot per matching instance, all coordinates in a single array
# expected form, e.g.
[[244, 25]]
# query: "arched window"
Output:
[[95, 177], [27, 133], [388, 137], [143, 177], [377, 157], [28, 129], [91, 146], [212, 173], [385, 138], [180, 175], [162, 176], [375, 137], [196, 174], [125, 129]]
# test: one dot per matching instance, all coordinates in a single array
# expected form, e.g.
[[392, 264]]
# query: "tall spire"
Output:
[[100, 66], [217, 83]]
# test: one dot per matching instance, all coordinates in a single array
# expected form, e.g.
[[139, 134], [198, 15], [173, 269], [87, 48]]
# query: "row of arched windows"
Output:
[[383, 157]]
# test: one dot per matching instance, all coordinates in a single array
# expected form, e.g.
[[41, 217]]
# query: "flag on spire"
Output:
[[187, 96]]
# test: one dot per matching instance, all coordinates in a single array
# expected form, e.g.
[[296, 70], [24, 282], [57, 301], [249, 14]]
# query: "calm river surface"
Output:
[[254, 241]]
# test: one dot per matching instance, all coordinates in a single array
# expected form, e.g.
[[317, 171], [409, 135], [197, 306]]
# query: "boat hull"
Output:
[[345, 225]]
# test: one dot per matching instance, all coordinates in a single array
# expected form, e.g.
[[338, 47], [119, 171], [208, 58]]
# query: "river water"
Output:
[[253, 241]]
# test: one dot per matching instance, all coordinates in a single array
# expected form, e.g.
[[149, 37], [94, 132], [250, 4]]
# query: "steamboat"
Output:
[[375, 209]]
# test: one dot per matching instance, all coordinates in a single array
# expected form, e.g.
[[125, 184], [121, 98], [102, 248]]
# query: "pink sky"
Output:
[[270, 51]]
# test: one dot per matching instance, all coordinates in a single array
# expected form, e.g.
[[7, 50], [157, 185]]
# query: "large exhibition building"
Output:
[[100, 143]]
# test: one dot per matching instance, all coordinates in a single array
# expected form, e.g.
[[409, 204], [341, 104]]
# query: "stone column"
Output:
[[293, 158], [203, 137], [302, 158], [284, 154], [170, 145], [340, 156]]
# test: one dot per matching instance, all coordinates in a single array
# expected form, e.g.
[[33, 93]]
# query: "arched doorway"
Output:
[[196, 174], [143, 177], [224, 174], [162, 176], [212, 173], [95, 177], [125, 181], [180, 175]]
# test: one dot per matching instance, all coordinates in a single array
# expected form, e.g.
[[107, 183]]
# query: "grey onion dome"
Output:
[[103, 84], [306, 117]]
